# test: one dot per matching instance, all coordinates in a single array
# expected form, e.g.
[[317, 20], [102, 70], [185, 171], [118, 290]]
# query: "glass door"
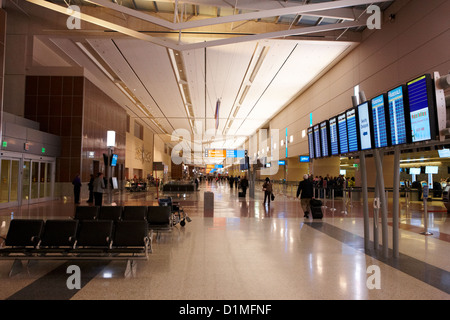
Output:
[[26, 181], [4, 185], [9, 184], [34, 181]]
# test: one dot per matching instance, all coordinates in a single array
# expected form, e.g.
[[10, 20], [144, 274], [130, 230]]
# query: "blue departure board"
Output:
[[343, 138], [311, 143], [397, 116], [324, 139], [421, 110], [365, 125], [334, 141], [380, 128], [231, 153], [352, 131], [317, 144]]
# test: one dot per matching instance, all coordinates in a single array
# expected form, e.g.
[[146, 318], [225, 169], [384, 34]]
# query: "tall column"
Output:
[[18, 56], [2, 62]]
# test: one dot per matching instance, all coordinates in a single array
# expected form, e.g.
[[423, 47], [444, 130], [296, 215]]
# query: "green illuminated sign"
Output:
[[4, 144]]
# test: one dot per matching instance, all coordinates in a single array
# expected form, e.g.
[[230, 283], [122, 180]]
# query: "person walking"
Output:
[[76, 188], [99, 186], [91, 189], [244, 185], [267, 188], [305, 191], [231, 181]]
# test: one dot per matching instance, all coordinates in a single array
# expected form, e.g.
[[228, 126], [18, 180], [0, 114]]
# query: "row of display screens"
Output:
[[403, 115]]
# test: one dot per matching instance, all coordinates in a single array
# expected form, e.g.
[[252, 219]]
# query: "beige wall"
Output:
[[417, 42], [139, 153], [161, 155]]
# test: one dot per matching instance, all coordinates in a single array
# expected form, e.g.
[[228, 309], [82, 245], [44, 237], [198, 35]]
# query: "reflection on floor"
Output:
[[247, 250]]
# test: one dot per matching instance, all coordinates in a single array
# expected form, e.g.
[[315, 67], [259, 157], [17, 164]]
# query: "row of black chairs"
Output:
[[72, 239], [158, 217]]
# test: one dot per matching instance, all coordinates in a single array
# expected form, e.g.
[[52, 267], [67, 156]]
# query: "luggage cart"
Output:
[[178, 214]]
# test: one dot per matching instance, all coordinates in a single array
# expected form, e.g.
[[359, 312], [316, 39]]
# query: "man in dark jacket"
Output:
[[244, 185], [77, 188], [305, 189]]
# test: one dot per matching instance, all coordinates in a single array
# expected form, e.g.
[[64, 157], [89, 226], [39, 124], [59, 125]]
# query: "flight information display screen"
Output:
[[334, 141], [343, 138], [324, 138], [380, 129], [397, 117], [317, 144], [311, 143], [365, 131], [421, 108], [352, 132]]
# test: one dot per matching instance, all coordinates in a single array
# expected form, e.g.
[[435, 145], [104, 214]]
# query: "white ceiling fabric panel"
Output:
[[152, 65], [115, 60]]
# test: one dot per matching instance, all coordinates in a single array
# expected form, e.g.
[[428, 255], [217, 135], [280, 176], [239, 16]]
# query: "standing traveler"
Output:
[[76, 188], [91, 189], [99, 186], [305, 188], [267, 188]]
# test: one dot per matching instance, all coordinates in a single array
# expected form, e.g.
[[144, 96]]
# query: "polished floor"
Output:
[[246, 250]]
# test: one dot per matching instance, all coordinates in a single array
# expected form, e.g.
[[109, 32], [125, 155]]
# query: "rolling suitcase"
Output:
[[316, 209]]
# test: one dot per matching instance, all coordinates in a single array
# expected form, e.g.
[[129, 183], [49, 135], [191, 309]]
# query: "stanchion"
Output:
[[351, 197], [376, 210], [425, 222], [407, 198], [332, 200], [344, 193]]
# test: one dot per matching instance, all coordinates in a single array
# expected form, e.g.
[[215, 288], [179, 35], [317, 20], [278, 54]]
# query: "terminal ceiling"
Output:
[[170, 62]]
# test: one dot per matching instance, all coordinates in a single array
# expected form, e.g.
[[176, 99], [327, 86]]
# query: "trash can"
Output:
[[446, 198], [208, 205]]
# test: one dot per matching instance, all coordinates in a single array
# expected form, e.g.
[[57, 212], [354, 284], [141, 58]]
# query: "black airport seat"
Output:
[[159, 217], [110, 213], [86, 213], [59, 233], [130, 237], [23, 234], [134, 213], [95, 233]]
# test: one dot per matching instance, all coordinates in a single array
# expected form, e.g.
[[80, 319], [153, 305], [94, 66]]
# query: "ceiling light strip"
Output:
[[259, 63], [126, 93], [86, 51]]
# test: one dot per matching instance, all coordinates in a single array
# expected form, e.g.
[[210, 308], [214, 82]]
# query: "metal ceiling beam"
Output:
[[300, 9], [180, 47], [105, 24], [272, 35]]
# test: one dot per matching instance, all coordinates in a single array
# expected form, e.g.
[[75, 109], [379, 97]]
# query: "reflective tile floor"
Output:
[[245, 250]]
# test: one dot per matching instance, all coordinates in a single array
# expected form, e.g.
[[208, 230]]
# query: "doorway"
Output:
[[26, 179]]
